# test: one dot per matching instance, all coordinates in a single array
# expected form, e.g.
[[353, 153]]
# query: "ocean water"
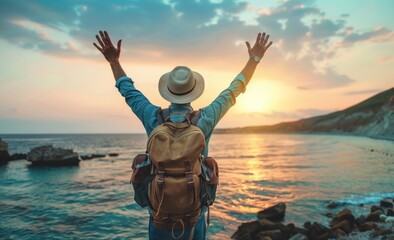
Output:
[[95, 201]]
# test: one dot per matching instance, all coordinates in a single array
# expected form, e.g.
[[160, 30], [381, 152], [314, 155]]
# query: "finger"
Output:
[[119, 45], [98, 48], [99, 41], [269, 44], [257, 39], [103, 37], [107, 37], [266, 39], [248, 46], [262, 39]]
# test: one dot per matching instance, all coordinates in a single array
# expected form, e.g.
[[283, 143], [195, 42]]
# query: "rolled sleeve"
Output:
[[212, 114], [138, 103]]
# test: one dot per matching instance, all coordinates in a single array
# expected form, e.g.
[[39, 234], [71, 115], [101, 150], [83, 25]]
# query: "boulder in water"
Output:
[[390, 212], [386, 203], [50, 156], [274, 213], [4, 155], [18, 156]]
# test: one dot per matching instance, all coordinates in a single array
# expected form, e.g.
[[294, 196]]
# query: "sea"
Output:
[[95, 200]]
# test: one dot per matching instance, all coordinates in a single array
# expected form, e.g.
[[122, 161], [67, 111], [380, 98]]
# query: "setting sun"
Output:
[[260, 96]]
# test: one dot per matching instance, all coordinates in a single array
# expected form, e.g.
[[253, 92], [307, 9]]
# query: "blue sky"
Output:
[[327, 55]]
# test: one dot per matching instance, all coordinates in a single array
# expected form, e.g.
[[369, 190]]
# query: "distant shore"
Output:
[[242, 131]]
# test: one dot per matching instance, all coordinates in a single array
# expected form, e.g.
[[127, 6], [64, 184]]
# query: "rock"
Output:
[[247, 230], [50, 156], [307, 225], [337, 233], [329, 215], [360, 220], [316, 230], [374, 216], [301, 231], [367, 226], [375, 208], [390, 212], [386, 203], [113, 154], [345, 214], [4, 155], [333, 205], [18, 156], [272, 234], [344, 226], [266, 224], [91, 156], [381, 232], [273, 213], [265, 238], [299, 236], [86, 157], [286, 231]]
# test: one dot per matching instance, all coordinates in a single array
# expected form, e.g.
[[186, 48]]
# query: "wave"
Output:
[[369, 198]]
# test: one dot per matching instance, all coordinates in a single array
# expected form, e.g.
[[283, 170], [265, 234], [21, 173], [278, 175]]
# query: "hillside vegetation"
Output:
[[373, 117]]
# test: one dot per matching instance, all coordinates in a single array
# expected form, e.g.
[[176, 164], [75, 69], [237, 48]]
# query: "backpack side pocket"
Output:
[[210, 180], [140, 178]]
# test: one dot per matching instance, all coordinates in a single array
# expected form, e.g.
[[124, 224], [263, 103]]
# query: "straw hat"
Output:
[[181, 85]]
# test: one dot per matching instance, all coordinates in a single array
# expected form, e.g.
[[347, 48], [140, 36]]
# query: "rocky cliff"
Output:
[[373, 117]]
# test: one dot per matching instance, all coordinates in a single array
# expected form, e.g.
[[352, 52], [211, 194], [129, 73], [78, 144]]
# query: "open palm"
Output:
[[107, 48]]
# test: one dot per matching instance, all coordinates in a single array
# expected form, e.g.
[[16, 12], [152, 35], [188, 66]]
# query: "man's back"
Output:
[[180, 87]]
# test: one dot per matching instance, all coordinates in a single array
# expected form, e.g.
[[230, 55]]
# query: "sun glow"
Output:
[[260, 96]]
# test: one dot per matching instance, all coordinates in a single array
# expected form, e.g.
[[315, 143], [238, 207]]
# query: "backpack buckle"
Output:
[[160, 180]]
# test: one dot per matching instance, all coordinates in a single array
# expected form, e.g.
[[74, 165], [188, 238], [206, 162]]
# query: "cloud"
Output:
[[175, 31], [380, 34], [325, 28]]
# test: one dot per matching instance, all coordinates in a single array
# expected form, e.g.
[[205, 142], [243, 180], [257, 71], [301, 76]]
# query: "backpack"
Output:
[[173, 177]]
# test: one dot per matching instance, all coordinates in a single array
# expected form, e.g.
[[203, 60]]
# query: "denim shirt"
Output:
[[209, 117]]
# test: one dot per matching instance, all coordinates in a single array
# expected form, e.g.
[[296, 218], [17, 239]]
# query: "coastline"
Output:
[[236, 131]]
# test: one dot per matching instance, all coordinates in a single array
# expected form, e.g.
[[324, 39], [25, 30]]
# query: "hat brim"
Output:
[[184, 98]]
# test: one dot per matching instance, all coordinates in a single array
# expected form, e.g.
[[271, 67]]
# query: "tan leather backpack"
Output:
[[172, 177], [175, 192]]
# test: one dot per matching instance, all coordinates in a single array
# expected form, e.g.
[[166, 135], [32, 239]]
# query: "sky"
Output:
[[326, 56]]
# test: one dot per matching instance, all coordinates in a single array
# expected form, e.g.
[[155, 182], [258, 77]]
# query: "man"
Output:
[[180, 87]]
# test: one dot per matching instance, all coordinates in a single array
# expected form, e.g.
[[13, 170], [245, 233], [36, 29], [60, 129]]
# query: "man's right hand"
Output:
[[107, 48]]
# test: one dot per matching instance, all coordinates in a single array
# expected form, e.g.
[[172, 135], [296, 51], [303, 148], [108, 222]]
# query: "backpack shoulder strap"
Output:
[[194, 116], [162, 115]]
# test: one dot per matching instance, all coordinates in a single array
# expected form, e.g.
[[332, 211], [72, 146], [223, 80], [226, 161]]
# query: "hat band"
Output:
[[179, 94]]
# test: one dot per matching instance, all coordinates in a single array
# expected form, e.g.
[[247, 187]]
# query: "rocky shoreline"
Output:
[[48, 155], [378, 224]]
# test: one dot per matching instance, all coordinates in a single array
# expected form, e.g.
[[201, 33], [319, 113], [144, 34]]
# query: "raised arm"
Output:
[[138, 103], [226, 99], [256, 53], [110, 53]]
